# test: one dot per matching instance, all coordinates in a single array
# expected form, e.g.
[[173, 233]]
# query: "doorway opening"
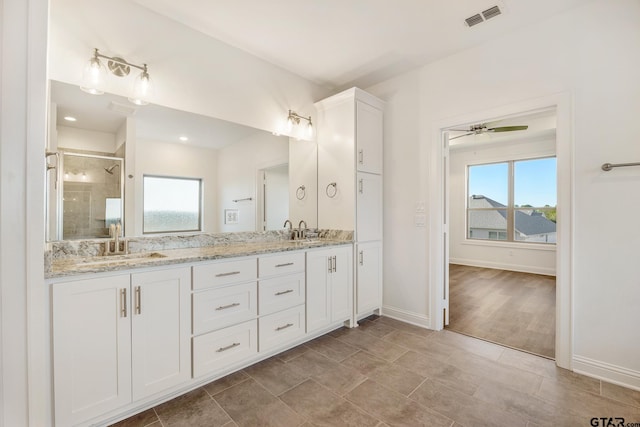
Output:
[[273, 197], [500, 201]]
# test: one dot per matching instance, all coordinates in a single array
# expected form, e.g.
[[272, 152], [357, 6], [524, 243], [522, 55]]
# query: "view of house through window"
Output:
[[171, 204], [512, 201]]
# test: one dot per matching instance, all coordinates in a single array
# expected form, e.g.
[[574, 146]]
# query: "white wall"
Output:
[[238, 165], [540, 259], [24, 375], [593, 52], [405, 181], [88, 140], [177, 160], [303, 171], [190, 71]]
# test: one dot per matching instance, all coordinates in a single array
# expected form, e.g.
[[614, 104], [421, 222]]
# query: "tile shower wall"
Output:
[[86, 187]]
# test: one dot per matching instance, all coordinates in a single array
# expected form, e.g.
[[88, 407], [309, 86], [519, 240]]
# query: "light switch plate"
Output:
[[420, 220], [420, 207]]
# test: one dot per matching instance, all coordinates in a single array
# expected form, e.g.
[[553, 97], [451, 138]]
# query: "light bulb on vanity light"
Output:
[[310, 130], [142, 88], [94, 76]]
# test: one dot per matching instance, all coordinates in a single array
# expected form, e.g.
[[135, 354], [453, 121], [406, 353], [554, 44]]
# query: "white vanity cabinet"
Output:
[[329, 287], [281, 299], [117, 339], [350, 159], [225, 311]]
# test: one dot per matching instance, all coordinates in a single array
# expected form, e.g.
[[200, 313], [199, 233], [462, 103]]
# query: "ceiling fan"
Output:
[[482, 128]]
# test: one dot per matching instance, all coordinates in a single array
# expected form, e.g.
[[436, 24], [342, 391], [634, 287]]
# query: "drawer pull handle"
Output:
[[284, 265], [224, 307], [227, 274], [229, 347], [284, 292], [288, 325]]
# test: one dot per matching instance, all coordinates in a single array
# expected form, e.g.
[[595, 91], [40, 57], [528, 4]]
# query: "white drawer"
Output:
[[217, 350], [224, 273], [223, 306], [279, 328], [282, 263], [280, 292]]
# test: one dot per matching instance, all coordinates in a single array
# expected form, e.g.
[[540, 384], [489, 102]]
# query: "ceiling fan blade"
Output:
[[507, 128], [460, 136]]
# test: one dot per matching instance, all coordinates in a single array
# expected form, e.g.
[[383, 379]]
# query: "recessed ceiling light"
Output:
[[70, 118], [184, 139]]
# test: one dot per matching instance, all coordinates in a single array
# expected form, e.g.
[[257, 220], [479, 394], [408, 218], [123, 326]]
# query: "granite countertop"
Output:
[[72, 266]]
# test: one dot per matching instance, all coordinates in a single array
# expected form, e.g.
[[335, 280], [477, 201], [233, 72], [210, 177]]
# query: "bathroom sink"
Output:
[[112, 259]]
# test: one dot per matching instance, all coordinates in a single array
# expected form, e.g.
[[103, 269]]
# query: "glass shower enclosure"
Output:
[[90, 197]]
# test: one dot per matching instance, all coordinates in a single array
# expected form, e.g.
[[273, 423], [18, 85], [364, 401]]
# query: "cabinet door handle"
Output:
[[227, 274], [361, 257], [284, 292], [224, 307], [330, 262], [229, 347], [361, 186], [335, 263], [123, 302], [288, 325], [361, 157], [284, 265], [138, 300]]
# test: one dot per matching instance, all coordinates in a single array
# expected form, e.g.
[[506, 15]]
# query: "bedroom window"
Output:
[[513, 201]]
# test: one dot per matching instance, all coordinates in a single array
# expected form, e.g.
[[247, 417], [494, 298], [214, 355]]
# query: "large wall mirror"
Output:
[[118, 162]]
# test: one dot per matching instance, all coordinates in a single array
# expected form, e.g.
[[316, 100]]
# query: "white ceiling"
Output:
[[342, 43]]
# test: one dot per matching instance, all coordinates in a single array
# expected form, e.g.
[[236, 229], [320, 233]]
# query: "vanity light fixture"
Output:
[[294, 118], [95, 75]]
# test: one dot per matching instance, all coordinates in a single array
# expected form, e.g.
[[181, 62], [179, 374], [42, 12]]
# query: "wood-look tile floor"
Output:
[[389, 373], [506, 307]]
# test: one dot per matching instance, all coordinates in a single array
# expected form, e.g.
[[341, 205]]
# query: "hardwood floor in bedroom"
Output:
[[506, 307]]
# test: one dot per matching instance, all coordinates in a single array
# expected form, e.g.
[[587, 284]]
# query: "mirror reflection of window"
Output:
[[171, 204]]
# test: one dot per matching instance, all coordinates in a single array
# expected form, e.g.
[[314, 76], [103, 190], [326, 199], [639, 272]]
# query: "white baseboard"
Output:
[[504, 266], [406, 316], [607, 372]]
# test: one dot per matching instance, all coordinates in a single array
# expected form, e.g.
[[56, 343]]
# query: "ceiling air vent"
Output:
[[492, 12], [474, 20]]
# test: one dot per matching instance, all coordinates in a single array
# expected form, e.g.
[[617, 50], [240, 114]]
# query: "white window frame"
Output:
[[510, 207]]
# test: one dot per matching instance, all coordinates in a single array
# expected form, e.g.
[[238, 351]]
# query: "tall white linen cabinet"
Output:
[[349, 136]]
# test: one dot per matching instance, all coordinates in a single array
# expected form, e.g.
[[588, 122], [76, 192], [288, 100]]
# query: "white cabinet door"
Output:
[[368, 138], [91, 347], [369, 207], [318, 289], [369, 277], [329, 287], [342, 284], [161, 323]]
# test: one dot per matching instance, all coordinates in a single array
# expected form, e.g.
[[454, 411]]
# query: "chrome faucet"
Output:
[[293, 234], [302, 232]]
